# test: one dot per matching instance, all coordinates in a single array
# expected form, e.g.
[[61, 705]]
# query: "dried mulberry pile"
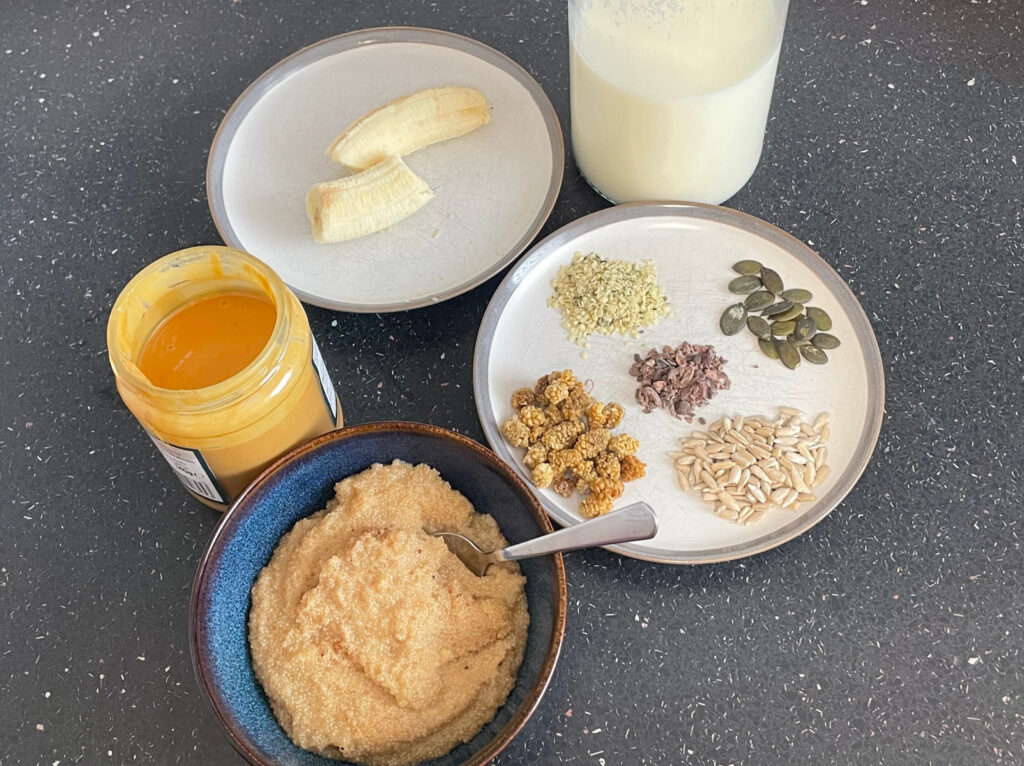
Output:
[[569, 442]]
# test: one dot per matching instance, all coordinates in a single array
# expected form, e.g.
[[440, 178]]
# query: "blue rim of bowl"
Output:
[[358, 39], [512, 728], [759, 228]]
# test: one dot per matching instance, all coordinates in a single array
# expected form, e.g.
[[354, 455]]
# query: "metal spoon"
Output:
[[633, 522]]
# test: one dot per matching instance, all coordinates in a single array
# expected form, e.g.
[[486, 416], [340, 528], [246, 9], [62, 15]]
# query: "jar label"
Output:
[[192, 470], [326, 386]]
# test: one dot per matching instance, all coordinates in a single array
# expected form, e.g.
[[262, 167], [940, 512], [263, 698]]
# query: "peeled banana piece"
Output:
[[366, 202], [409, 123]]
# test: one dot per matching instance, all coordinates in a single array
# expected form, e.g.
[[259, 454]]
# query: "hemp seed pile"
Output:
[[606, 296]]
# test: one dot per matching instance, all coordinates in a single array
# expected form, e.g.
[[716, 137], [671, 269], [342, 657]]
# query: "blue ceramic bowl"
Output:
[[300, 484]]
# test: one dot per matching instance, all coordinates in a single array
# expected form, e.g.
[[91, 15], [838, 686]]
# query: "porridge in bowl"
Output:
[[373, 642]]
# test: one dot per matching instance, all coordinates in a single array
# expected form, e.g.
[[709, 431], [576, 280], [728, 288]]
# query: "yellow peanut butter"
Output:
[[213, 355]]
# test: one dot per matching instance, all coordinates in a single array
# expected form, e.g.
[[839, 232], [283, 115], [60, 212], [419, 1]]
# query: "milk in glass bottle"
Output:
[[670, 97]]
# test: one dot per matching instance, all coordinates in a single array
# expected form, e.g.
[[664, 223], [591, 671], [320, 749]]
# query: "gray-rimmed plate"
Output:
[[494, 187], [693, 247]]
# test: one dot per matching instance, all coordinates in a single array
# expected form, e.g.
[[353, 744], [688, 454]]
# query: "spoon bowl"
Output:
[[632, 522]]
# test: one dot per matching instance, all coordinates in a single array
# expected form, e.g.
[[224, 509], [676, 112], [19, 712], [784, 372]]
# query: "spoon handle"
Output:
[[633, 522]]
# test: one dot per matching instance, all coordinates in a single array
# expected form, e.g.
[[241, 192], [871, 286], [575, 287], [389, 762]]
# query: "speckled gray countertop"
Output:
[[891, 633]]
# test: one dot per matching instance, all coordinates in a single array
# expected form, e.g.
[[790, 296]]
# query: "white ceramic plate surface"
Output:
[[693, 248], [494, 187]]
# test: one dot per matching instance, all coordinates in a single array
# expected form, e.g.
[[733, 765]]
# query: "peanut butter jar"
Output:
[[214, 356]]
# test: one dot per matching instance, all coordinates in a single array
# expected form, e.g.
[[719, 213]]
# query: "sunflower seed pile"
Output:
[[786, 327], [744, 467]]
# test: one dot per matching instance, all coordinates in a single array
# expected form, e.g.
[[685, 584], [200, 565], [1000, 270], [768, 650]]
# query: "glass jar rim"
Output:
[[229, 390]]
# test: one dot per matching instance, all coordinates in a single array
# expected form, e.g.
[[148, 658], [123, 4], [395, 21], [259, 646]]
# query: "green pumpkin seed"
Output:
[[746, 267], [794, 312], [759, 327], [787, 353], [783, 328], [805, 328], [787, 329], [768, 348], [813, 354], [777, 308], [821, 320], [771, 280], [759, 300], [743, 285], [824, 340], [796, 294], [733, 319]]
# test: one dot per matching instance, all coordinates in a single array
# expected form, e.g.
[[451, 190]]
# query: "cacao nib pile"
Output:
[[678, 380]]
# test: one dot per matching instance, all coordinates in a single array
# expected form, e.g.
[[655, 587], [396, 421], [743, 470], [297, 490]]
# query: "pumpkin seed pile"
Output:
[[786, 327]]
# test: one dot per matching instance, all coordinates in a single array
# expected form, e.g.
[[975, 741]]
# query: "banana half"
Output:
[[410, 123], [366, 202]]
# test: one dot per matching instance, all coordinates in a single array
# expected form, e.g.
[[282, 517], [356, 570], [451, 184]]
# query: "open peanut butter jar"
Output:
[[214, 356]]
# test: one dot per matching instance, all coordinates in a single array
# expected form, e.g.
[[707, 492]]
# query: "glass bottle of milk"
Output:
[[670, 98]]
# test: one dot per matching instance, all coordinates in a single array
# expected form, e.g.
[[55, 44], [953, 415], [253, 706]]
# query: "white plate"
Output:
[[494, 187], [693, 248]]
